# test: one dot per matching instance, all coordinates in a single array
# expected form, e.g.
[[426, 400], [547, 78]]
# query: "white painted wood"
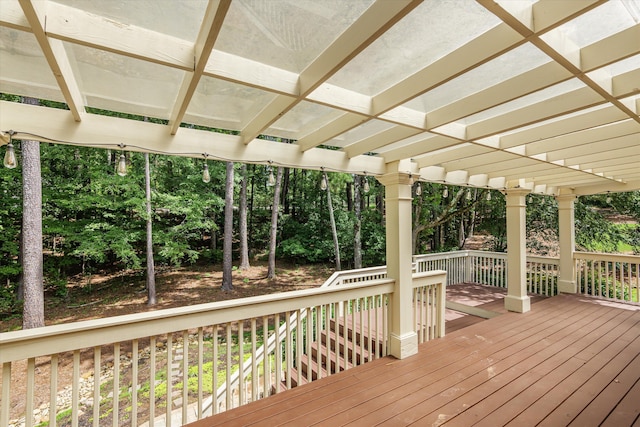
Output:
[[53, 393]]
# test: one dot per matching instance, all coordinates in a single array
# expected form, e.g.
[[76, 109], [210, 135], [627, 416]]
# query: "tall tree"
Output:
[[244, 241], [32, 261], [227, 259], [357, 204], [151, 271], [271, 269], [332, 219]]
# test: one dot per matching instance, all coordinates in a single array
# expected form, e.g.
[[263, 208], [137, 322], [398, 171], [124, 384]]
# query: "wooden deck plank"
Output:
[[501, 368], [627, 412], [587, 390], [610, 396], [411, 388], [561, 358], [439, 350], [501, 405]]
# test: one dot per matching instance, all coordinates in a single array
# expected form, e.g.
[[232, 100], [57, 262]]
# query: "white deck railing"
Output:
[[171, 359], [611, 276], [490, 268]]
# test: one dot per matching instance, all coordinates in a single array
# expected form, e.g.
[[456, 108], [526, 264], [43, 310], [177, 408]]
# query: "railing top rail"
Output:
[[66, 337], [431, 277], [441, 255], [592, 256], [343, 274], [543, 259]]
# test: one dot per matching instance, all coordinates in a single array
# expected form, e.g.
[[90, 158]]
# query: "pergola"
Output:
[[519, 96]]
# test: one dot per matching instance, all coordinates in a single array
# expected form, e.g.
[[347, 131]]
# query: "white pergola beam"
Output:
[[209, 30], [96, 130], [374, 22], [56, 57], [378, 140], [465, 151], [625, 127], [417, 146]]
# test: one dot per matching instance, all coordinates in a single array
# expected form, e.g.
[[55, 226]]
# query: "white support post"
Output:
[[517, 299], [567, 241], [403, 338]]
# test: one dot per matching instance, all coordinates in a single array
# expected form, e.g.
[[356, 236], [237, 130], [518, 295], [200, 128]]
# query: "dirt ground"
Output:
[[103, 295]]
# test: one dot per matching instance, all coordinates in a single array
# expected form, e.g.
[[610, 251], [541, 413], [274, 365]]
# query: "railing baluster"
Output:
[[152, 379], [278, 360], [116, 383], [200, 369], [134, 383], [185, 374], [6, 394], [299, 344], [288, 350], [31, 375], [267, 356], [241, 396], [229, 403], [310, 335], [214, 370], [254, 363], [53, 392], [168, 397]]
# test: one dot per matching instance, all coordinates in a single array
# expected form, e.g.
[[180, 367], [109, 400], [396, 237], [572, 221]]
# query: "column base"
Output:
[[567, 286], [403, 346], [517, 304]]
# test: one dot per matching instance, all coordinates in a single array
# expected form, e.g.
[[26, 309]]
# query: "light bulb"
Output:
[[271, 181], [10, 161], [419, 189], [323, 184], [122, 165], [366, 187], [445, 193], [489, 196], [468, 194], [206, 177]]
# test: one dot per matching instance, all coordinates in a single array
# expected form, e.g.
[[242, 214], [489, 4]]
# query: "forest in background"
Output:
[[95, 220]]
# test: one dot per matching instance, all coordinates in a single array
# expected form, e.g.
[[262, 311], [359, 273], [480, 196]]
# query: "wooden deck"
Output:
[[570, 361]]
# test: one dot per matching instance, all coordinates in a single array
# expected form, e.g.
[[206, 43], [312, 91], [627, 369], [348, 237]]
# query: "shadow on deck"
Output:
[[571, 360]]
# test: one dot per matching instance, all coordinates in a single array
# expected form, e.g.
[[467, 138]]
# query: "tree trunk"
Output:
[[271, 270], [244, 242], [334, 232], [227, 259], [357, 205], [33, 309], [151, 270]]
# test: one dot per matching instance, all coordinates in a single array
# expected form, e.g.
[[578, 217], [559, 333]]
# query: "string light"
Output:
[[468, 194], [609, 198], [206, 176], [419, 189], [10, 161], [122, 163], [445, 193], [366, 187], [323, 181], [489, 196], [271, 181]]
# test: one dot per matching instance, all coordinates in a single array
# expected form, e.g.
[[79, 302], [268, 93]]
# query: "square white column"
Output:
[[517, 299]]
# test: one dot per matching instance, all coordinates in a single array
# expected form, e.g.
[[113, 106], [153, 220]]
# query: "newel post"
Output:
[[567, 242], [517, 299], [403, 340]]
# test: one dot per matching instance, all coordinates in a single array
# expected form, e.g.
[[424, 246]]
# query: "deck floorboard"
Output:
[[569, 361]]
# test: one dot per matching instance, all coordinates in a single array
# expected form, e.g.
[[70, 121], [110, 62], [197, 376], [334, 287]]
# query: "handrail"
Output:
[[615, 277], [64, 337], [336, 279]]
